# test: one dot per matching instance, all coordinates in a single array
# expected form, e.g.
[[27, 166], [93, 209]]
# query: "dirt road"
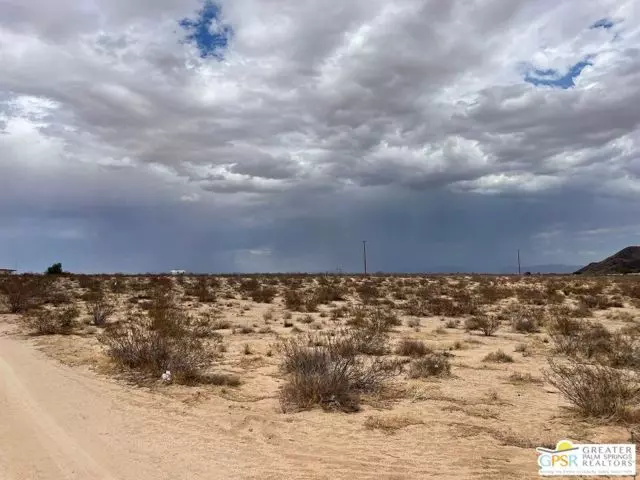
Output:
[[63, 423]]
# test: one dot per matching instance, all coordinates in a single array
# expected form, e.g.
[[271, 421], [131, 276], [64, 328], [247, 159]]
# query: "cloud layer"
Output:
[[250, 135]]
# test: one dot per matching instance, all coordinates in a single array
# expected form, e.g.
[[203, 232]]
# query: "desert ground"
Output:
[[311, 376]]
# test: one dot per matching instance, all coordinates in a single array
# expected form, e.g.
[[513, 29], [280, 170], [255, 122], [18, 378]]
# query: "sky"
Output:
[[277, 135]]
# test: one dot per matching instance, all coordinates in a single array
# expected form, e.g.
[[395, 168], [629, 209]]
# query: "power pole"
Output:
[[519, 272], [364, 254]]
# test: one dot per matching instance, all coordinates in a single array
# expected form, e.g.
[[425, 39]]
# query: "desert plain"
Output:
[[311, 376]]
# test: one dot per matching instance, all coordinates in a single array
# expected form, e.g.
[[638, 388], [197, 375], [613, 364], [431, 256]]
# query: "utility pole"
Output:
[[519, 272], [364, 254]]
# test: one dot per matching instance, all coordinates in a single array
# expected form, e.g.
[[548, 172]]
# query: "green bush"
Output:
[[55, 269]]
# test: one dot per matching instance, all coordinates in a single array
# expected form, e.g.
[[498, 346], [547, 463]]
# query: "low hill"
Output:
[[626, 260]]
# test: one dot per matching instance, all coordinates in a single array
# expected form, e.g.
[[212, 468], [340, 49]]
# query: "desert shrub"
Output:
[[491, 293], [415, 307], [328, 293], [164, 314], [88, 282], [368, 292], [337, 313], [624, 351], [371, 332], [22, 292], [498, 356], [412, 348], [595, 342], [441, 306], [433, 364], [328, 373], [118, 285], [149, 348], [268, 315], [203, 291], [293, 300], [564, 325], [306, 319], [525, 322], [532, 295], [52, 322], [486, 324], [579, 338], [311, 303], [599, 302], [245, 286], [100, 309], [596, 390], [263, 294], [56, 297]]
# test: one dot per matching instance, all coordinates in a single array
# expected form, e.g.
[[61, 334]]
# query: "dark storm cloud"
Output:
[[409, 123]]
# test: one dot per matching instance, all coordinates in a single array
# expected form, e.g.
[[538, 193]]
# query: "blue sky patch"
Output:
[[553, 78], [207, 31], [605, 23]]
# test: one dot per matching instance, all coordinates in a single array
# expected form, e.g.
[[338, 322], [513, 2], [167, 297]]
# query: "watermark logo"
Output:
[[587, 459]]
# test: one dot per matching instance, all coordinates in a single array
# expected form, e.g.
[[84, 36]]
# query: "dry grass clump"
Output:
[[596, 390], [413, 323], [524, 378], [220, 379], [220, 324], [412, 348], [452, 323], [486, 324], [390, 423], [244, 330], [52, 322], [324, 370], [433, 364], [525, 322], [100, 309], [498, 356]]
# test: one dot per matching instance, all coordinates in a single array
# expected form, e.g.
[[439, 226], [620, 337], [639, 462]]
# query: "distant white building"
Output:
[[178, 272]]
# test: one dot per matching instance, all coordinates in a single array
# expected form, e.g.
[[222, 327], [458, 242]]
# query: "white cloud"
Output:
[[101, 102]]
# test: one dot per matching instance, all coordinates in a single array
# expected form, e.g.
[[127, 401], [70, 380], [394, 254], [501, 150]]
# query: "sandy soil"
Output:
[[67, 420]]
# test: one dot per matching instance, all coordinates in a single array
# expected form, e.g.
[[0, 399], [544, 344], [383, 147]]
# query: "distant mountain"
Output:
[[626, 260]]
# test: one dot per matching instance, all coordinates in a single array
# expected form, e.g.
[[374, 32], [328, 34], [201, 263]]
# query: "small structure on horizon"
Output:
[[178, 272], [6, 271]]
